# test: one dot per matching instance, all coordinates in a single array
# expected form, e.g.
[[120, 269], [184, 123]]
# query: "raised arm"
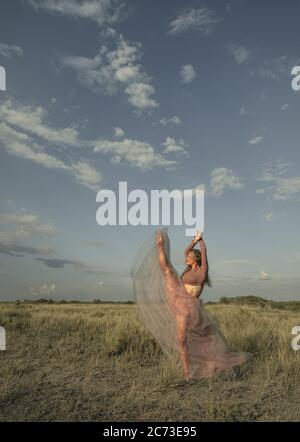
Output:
[[204, 264], [192, 244]]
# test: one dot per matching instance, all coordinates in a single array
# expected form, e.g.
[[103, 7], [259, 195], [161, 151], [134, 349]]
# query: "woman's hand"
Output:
[[198, 235], [159, 239]]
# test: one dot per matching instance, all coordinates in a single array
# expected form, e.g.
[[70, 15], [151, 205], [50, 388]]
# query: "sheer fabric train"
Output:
[[163, 300]]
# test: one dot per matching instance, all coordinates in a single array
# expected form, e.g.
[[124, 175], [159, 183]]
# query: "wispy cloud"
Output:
[[9, 51], [100, 11], [118, 132], [33, 119], [201, 19], [221, 179], [19, 231], [13, 247], [43, 290], [173, 121], [281, 181], [135, 153], [240, 53], [115, 70], [140, 95], [275, 68], [264, 276], [27, 225], [256, 139], [244, 111], [19, 119], [187, 73], [20, 144], [173, 146], [268, 216], [25, 133], [61, 263]]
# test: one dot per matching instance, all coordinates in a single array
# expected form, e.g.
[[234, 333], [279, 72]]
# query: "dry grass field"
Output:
[[96, 362]]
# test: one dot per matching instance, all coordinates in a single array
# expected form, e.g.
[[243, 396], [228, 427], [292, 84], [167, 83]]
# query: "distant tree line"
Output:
[[261, 302], [63, 301], [238, 300]]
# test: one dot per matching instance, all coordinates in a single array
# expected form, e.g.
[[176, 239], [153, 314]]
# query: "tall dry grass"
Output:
[[93, 362]]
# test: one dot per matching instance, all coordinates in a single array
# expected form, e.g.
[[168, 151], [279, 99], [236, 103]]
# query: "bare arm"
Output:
[[192, 244], [190, 247], [204, 264]]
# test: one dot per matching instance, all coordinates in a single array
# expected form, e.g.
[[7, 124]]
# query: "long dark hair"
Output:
[[197, 254]]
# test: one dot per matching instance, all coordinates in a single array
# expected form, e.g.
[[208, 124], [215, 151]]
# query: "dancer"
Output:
[[171, 309]]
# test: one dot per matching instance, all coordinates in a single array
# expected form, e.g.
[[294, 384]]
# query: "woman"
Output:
[[170, 308]]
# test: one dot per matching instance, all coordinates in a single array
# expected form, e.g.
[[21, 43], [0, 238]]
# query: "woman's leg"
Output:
[[181, 320], [163, 260], [181, 334], [167, 270]]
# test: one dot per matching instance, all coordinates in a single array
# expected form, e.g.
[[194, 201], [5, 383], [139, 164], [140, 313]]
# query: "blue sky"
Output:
[[163, 95]]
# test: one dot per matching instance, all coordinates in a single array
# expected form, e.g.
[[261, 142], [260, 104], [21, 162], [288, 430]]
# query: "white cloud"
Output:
[[21, 145], [187, 73], [240, 53], [268, 216], [18, 119], [173, 121], [118, 132], [32, 119], [100, 11], [28, 225], [264, 276], [49, 151], [221, 179], [118, 69], [87, 175], [282, 183], [284, 106], [173, 146], [275, 68], [136, 153], [10, 244], [19, 225], [244, 111], [9, 51], [42, 290], [202, 19], [139, 95], [256, 139]]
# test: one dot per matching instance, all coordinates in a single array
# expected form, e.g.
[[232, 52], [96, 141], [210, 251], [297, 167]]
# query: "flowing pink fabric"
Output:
[[163, 299]]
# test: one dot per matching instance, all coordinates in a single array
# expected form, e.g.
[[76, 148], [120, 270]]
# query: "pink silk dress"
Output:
[[164, 300]]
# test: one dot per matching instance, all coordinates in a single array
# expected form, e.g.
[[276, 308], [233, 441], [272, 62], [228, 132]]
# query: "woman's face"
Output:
[[190, 258]]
